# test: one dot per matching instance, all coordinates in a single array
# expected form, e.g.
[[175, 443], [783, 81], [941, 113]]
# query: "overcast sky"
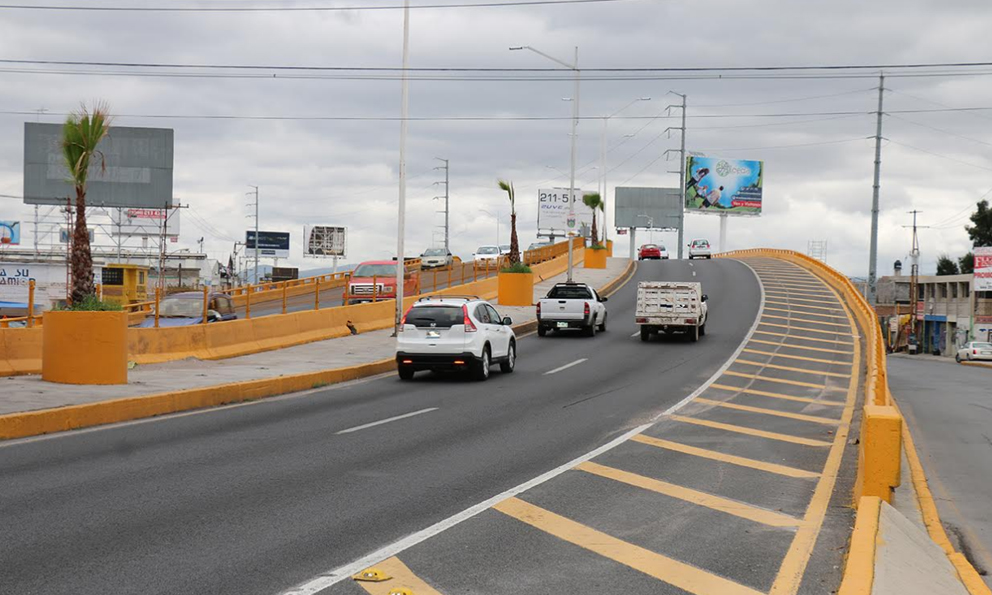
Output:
[[818, 180]]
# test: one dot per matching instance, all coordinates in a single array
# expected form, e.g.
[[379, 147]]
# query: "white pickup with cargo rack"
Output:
[[671, 306]]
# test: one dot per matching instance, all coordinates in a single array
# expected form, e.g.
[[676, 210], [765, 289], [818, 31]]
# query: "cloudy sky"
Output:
[[818, 160]]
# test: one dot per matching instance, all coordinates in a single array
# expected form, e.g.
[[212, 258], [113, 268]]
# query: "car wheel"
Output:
[[541, 331], [694, 334], [957, 357], [481, 371], [645, 334], [702, 330], [506, 366], [406, 373], [590, 331], [602, 327], [709, 257]]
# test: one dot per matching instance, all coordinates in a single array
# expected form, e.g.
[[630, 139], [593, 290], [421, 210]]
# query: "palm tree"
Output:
[[81, 133], [514, 245], [594, 201]]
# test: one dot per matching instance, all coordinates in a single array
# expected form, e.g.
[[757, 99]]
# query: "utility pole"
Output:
[[401, 218], [681, 130], [447, 234], [873, 252], [255, 204]]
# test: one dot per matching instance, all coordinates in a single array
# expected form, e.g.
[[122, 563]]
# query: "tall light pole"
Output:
[[574, 66], [602, 162], [256, 229], [401, 215], [496, 217], [873, 248], [681, 239]]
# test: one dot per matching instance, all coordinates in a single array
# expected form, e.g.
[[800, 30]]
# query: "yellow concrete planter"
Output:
[[595, 259], [84, 348], [609, 247], [516, 289]]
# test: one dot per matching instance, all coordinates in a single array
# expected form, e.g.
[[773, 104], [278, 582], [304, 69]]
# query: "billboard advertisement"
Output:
[[651, 208], [983, 268], [136, 170], [50, 283], [553, 212], [271, 244], [325, 240], [64, 234], [10, 233], [716, 185], [145, 223]]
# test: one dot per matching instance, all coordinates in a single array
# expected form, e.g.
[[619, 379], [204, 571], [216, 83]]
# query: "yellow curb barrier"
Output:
[[859, 573], [978, 364]]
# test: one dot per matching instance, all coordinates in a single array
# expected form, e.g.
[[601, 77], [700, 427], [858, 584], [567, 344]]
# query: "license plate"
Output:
[[987, 353], [562, 325], [433, 334]]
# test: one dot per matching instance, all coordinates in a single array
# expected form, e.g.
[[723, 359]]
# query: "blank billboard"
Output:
[[138, 170], [655, 208]]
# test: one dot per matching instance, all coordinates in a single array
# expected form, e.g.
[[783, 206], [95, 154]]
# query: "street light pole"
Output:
[[401, 215]]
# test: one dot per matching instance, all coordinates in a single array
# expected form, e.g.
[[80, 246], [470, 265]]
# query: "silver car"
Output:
[[435, 258], [976, 350]]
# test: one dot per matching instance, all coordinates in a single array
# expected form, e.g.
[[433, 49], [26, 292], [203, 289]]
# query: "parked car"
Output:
[[504, 249], [186, 309], [537, 245], [699, 249], [454, 333], [434, 258], [381, 273], [671, 307], [655, 251], [489, 252], [571, 306], [976, 350]]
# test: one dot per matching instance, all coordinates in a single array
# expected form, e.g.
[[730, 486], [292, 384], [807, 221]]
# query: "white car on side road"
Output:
[[976, 350], [700, 249], [489, 253], [454, 333]]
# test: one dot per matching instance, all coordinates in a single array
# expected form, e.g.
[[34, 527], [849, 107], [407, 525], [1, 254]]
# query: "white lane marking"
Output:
[[386, 421], [566, 366], [335, 576], [637, 334], [729, 362]]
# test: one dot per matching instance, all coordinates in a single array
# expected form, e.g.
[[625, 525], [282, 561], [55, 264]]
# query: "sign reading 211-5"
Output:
[[553, 210]]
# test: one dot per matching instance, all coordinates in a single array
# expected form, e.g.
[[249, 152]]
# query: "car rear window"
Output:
[[983, 345], [565, 292], [435, 316]]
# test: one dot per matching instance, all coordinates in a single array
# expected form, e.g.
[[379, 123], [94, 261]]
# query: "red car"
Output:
[[652, 251], [383, 274]]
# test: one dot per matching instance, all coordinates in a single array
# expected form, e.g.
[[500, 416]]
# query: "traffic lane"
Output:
[[274, 478], [949, 411]]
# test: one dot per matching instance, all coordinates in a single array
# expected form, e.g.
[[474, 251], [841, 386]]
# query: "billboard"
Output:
[[145, 223], [553, 215], [983, 268], [716, 185], [10, 233], [138, 168], [64, 234], [271, 244], [325, 240], [654, 208], [50, 283]]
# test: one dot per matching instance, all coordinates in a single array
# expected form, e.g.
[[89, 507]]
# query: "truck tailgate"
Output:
[[663, 303], [555, 309]]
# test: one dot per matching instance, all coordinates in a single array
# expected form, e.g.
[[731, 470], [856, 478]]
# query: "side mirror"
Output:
[[705, 297], [604, 299], [213, 315], [507, 321]]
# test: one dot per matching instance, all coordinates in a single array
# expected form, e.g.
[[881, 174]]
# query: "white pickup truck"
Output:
[[571, 306], [668, 307]]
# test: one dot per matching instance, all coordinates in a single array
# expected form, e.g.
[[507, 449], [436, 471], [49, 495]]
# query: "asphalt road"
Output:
[[949, 411], [257, 498]]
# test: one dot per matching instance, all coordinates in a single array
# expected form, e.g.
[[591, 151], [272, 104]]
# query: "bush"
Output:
[[598, 247], [517, 267], [90, 303]]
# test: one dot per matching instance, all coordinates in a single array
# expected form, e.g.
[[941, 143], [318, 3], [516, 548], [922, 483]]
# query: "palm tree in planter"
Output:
[[595, 202], [81, 133], [514, 256], [516, 281]]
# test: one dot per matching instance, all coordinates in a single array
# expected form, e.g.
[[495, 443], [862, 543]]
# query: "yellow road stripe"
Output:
[[804, 306], [780, 380], [804, 320], [712, 501], [749, 431], [799, 416], [807, 329], [804, 338], [791, 283], [791, 369], [803, 347], [806, 294], [401, 577], [806, 359], [725, 458], [795, 299], [803, 313], [679, 574], [790, 573], [764, 393]]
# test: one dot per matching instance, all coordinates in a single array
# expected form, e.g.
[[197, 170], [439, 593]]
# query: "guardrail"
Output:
[[881, 424]]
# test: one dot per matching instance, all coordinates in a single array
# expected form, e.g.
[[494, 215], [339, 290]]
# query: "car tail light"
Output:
[[641, 320], [469, 325], [538, 309], [586, 309], [974, 352], [408, 361], [690, 321]]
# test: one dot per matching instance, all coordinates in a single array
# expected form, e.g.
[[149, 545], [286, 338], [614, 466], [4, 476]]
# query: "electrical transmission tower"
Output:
[[447, 229]]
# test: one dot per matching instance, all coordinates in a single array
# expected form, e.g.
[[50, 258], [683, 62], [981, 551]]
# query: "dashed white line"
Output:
[[566, 366], [387, 420], [637, 334]]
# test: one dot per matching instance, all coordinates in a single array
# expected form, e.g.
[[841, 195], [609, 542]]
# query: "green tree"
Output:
[[595, 202], [81, 133], [967, 264], [946, 266], [981, 232], [514, 245]]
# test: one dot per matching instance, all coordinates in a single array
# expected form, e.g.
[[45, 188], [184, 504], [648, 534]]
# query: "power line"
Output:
[[51, 7], [941, 130], [816, 144], [791, 100], [935, 154]]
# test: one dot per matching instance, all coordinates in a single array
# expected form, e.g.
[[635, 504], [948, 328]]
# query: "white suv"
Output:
[[700, 249], [454, 333]]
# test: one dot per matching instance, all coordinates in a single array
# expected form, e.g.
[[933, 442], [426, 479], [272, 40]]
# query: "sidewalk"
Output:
[[30, 393]]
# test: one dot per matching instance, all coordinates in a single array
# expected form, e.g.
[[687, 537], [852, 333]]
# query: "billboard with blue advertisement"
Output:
[[716, 185], [10, 233]]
